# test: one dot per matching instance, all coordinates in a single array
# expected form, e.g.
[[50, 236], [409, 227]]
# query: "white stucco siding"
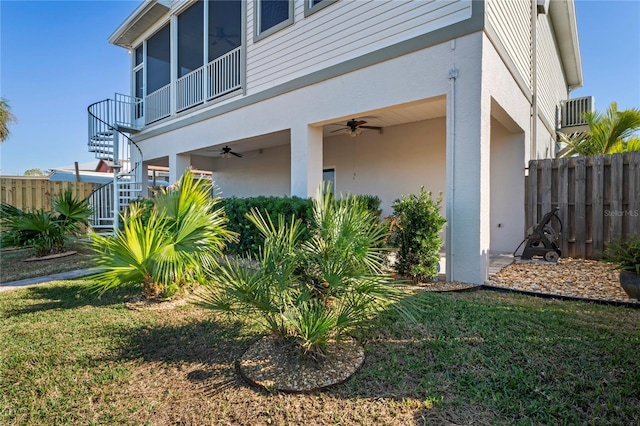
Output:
[[341, 31], [260, 172], [507, 188], [388, 165], [511, 22]]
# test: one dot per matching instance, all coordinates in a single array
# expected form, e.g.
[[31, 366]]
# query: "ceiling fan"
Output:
[[354, 127], [226, 151]]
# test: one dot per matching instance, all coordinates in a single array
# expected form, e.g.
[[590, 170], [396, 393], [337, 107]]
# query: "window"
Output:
[[190, 39], [225, 26], [158, 60], [271, 16], [138, 79], [329, 175], [312, 6]]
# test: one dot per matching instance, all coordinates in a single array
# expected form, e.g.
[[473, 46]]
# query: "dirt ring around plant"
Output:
[[274, 364]]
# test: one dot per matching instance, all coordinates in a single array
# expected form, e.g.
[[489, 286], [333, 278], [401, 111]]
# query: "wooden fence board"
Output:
[[563, 201], [33, 193], [597, 206], [616, 212], [598, 199]]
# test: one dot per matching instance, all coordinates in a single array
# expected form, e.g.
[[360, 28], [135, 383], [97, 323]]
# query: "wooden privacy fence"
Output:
[[598, 198], [35, 192]]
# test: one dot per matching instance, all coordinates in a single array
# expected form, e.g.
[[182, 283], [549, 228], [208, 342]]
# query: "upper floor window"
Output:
[[312, 6], [271, 16]]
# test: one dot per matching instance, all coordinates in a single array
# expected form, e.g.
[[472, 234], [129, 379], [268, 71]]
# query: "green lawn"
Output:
[[69, 357]]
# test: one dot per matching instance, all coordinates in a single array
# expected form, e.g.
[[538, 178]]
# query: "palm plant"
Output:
[[46, 231], [609, 133], [184, 233], [311, 292], [6, 118]]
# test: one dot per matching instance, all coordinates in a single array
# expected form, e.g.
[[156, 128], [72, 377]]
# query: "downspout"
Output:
[[534, 81], [449, 253]]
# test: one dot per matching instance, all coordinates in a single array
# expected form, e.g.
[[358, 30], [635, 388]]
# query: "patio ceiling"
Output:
[[387, 117]]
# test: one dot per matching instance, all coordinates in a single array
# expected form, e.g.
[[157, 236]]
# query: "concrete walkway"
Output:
[[69, 275]]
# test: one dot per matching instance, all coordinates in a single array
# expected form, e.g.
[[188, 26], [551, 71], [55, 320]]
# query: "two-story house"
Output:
[[381, 97]]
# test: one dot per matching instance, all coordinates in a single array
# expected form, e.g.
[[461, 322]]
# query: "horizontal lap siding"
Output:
[[339, 32], [511, 20], [551, 89]]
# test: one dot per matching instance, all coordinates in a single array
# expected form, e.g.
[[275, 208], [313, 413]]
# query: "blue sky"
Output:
[[55, 61]]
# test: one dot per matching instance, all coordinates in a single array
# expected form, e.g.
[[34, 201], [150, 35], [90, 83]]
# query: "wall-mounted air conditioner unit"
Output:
[[543, 6], [572, 114]]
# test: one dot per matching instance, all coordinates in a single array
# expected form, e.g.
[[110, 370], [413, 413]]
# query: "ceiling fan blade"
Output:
[[339, 130], [236, 154], [360, 123], [370, 127]]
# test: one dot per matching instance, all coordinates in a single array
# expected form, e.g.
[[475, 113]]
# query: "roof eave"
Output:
[[563, 18], [139, 21]]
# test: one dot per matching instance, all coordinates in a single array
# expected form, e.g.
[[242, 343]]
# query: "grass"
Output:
[[69, 357], [12, 267]]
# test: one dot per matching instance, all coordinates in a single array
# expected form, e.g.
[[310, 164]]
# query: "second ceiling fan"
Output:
[[354, 127]]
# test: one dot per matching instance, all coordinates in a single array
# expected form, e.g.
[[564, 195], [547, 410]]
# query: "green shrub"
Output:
[[46, 231], [314, 290], [250, 239], [416, 234], [625, 254]]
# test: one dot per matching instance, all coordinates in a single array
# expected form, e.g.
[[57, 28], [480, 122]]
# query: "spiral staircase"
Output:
[[111, 122]]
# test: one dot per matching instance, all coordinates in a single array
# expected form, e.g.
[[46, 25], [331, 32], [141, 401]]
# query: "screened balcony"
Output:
[[195, 58]]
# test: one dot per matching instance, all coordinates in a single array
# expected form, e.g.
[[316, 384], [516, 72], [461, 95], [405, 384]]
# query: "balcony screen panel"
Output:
[[273, 12], [314, 2], [225, 24], [139, 52], [158, 60], [190, 39], [139, 89]]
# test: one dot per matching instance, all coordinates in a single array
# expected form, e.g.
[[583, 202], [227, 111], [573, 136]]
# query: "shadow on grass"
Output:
[[69, 295], [210, 348]]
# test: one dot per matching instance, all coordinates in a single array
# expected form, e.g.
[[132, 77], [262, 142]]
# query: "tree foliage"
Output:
[[6, 118], [610, 133]]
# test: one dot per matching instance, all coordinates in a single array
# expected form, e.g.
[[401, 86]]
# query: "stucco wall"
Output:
[[391, 164], [507, 188]]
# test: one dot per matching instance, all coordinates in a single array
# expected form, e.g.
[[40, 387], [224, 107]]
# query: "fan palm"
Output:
[[316, 290], [6, 118], [185, 232], [46, 231], [609, 133]]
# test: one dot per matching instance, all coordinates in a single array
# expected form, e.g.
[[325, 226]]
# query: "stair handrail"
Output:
[[109, 126]]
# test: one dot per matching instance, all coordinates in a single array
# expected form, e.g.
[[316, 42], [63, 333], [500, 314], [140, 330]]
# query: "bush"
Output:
[[314, 290], [417, 224], [46, 231], [625, 254], [249, 237]]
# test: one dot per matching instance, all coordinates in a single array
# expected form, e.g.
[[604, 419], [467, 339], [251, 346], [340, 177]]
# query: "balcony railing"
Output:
[[573, 111], [224, 74], [217, 78], [158, 104], [189, 90]]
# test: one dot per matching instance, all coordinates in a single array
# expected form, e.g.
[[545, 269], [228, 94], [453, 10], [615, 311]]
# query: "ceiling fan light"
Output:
[[358, 131]]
